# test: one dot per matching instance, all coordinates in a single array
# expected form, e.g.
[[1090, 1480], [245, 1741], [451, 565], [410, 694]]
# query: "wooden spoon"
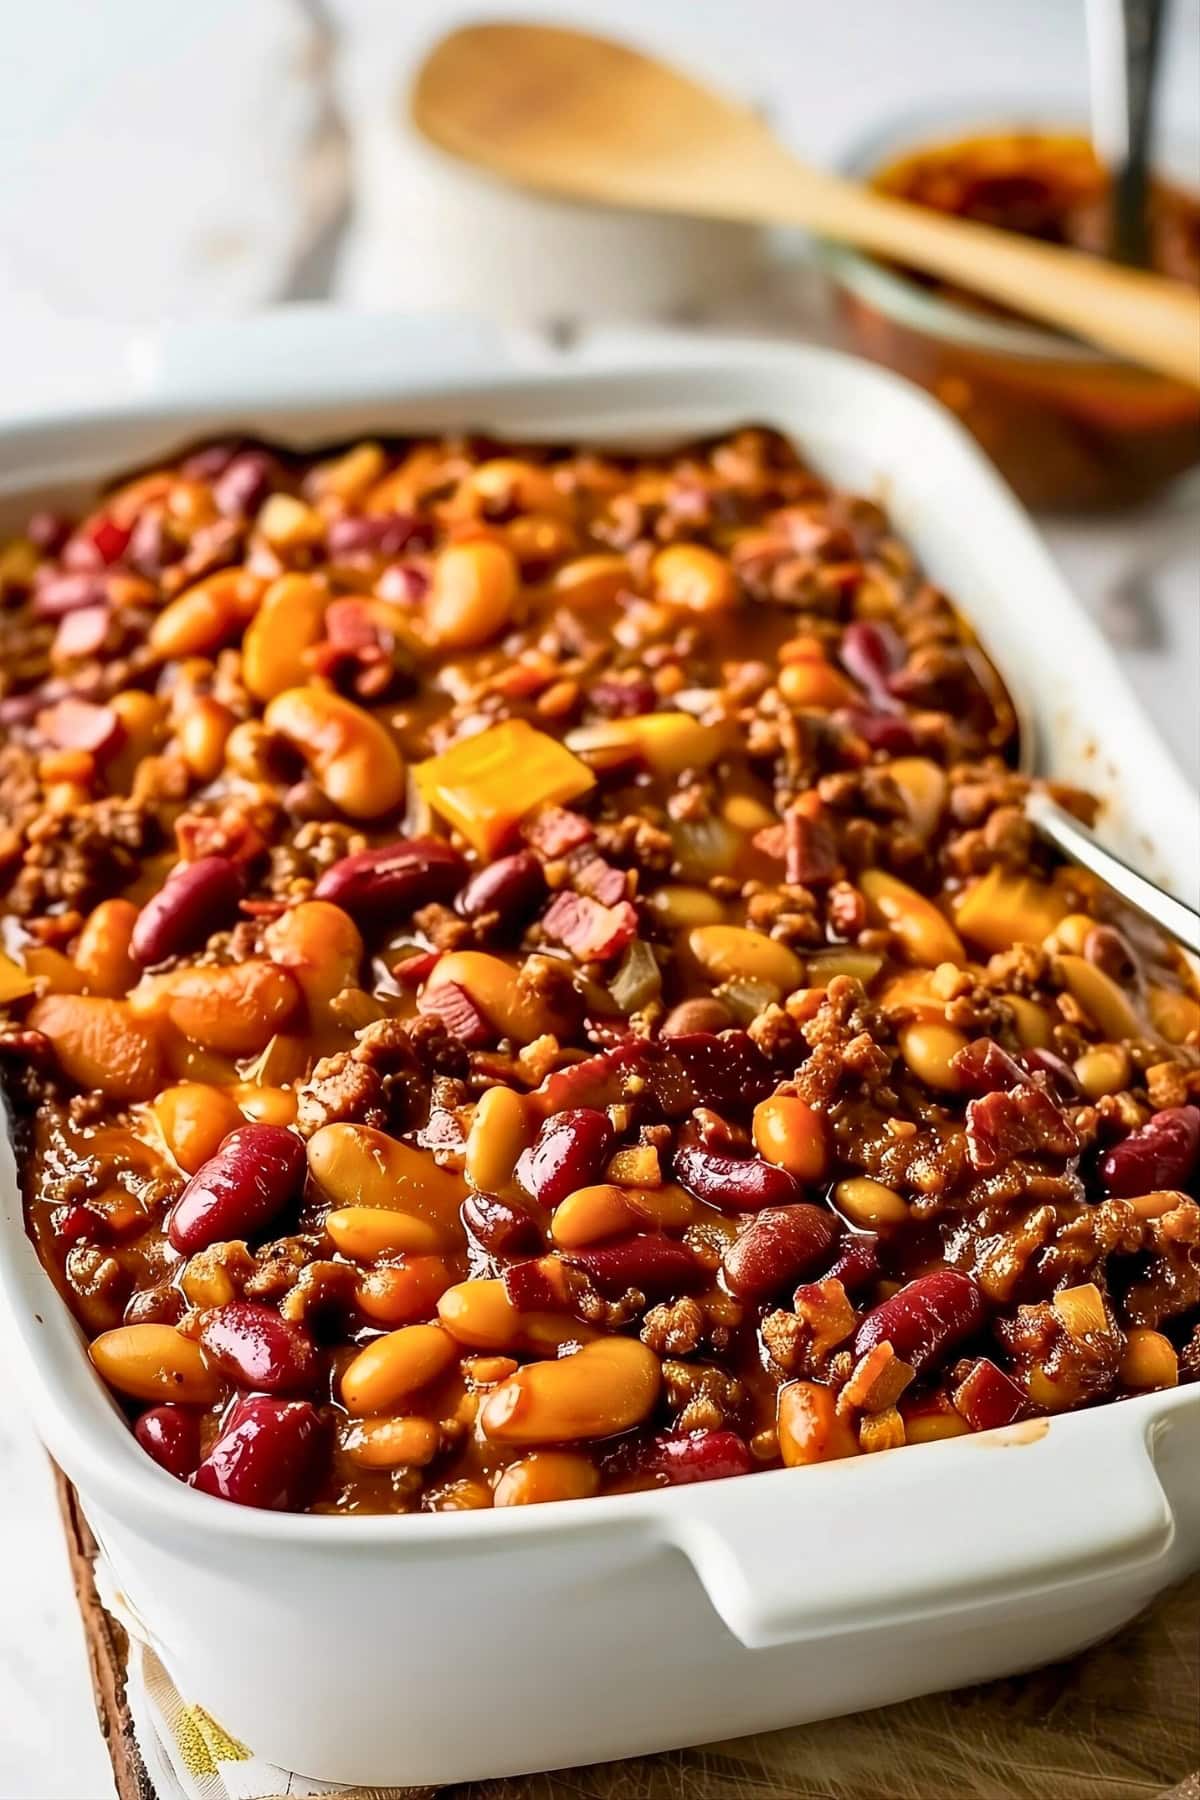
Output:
[[583, 117]]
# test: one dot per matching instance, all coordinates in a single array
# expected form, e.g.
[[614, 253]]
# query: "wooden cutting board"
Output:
[[1120, 1723]]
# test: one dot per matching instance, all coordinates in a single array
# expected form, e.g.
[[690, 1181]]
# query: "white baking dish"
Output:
[[461, 1646]]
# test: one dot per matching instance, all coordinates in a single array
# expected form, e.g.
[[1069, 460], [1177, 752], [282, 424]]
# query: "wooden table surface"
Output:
[[1119, 1723]]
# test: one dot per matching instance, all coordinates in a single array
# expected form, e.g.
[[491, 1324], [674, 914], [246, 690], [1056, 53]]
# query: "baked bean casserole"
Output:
[[526, 975]]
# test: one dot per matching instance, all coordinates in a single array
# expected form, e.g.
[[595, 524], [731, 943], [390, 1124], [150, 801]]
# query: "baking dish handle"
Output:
[[806, 1552]]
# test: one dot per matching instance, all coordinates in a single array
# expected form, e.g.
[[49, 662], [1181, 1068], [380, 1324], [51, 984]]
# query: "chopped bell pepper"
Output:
[[1002, 909], [486, 784]]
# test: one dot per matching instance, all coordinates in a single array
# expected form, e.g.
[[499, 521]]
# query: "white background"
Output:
[[168, 160]]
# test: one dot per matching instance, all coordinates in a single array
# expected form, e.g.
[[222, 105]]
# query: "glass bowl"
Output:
[[1070, 427]]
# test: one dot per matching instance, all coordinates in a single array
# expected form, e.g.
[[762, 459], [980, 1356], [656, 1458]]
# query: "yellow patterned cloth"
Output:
[[188, 1754]]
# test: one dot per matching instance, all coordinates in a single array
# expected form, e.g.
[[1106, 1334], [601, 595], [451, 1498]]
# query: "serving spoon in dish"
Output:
[[588, 119], [1079, 845]]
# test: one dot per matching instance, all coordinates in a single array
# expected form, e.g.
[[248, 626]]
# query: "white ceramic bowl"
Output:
[[459, 1646], [430, 231]]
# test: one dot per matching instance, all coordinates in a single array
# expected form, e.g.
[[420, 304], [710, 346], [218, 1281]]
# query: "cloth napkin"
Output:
[[187, 1753]]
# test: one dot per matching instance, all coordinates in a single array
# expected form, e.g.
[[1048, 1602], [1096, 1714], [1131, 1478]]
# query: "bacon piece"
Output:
[[591, 931], [80, 633], [810, 851], [458, 1012], [556, 830], [1003, 1126], [79, 725], [600, 881]]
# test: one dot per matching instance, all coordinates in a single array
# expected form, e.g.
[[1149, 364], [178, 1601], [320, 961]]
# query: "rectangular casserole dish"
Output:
[[459, 1646]]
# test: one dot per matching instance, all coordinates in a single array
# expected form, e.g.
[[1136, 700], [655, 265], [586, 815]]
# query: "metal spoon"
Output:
[[1082, 846], [1076, 843], [1124, 39]]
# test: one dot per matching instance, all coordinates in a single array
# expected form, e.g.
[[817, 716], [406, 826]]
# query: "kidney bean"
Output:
[[857, 1262], [269, 1454], [244, 483], [513, 888], [925, 1319], [377, 534], [986, 1397], [1163, 1153], [1060, 1076], [659, 1266], [662, 1076], [872, 653], [676, 1458], [254, 1346], [725, 1069], [623, 696], [500, 1227], [240, 1190], [171, 1435], [734, 1183], [197, 898], [569, 1152], [392, 879], [779, 1245], [881, 731]]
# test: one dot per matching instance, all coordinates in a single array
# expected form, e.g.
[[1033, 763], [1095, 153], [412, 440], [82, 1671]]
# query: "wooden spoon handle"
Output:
[[1145, 318]]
